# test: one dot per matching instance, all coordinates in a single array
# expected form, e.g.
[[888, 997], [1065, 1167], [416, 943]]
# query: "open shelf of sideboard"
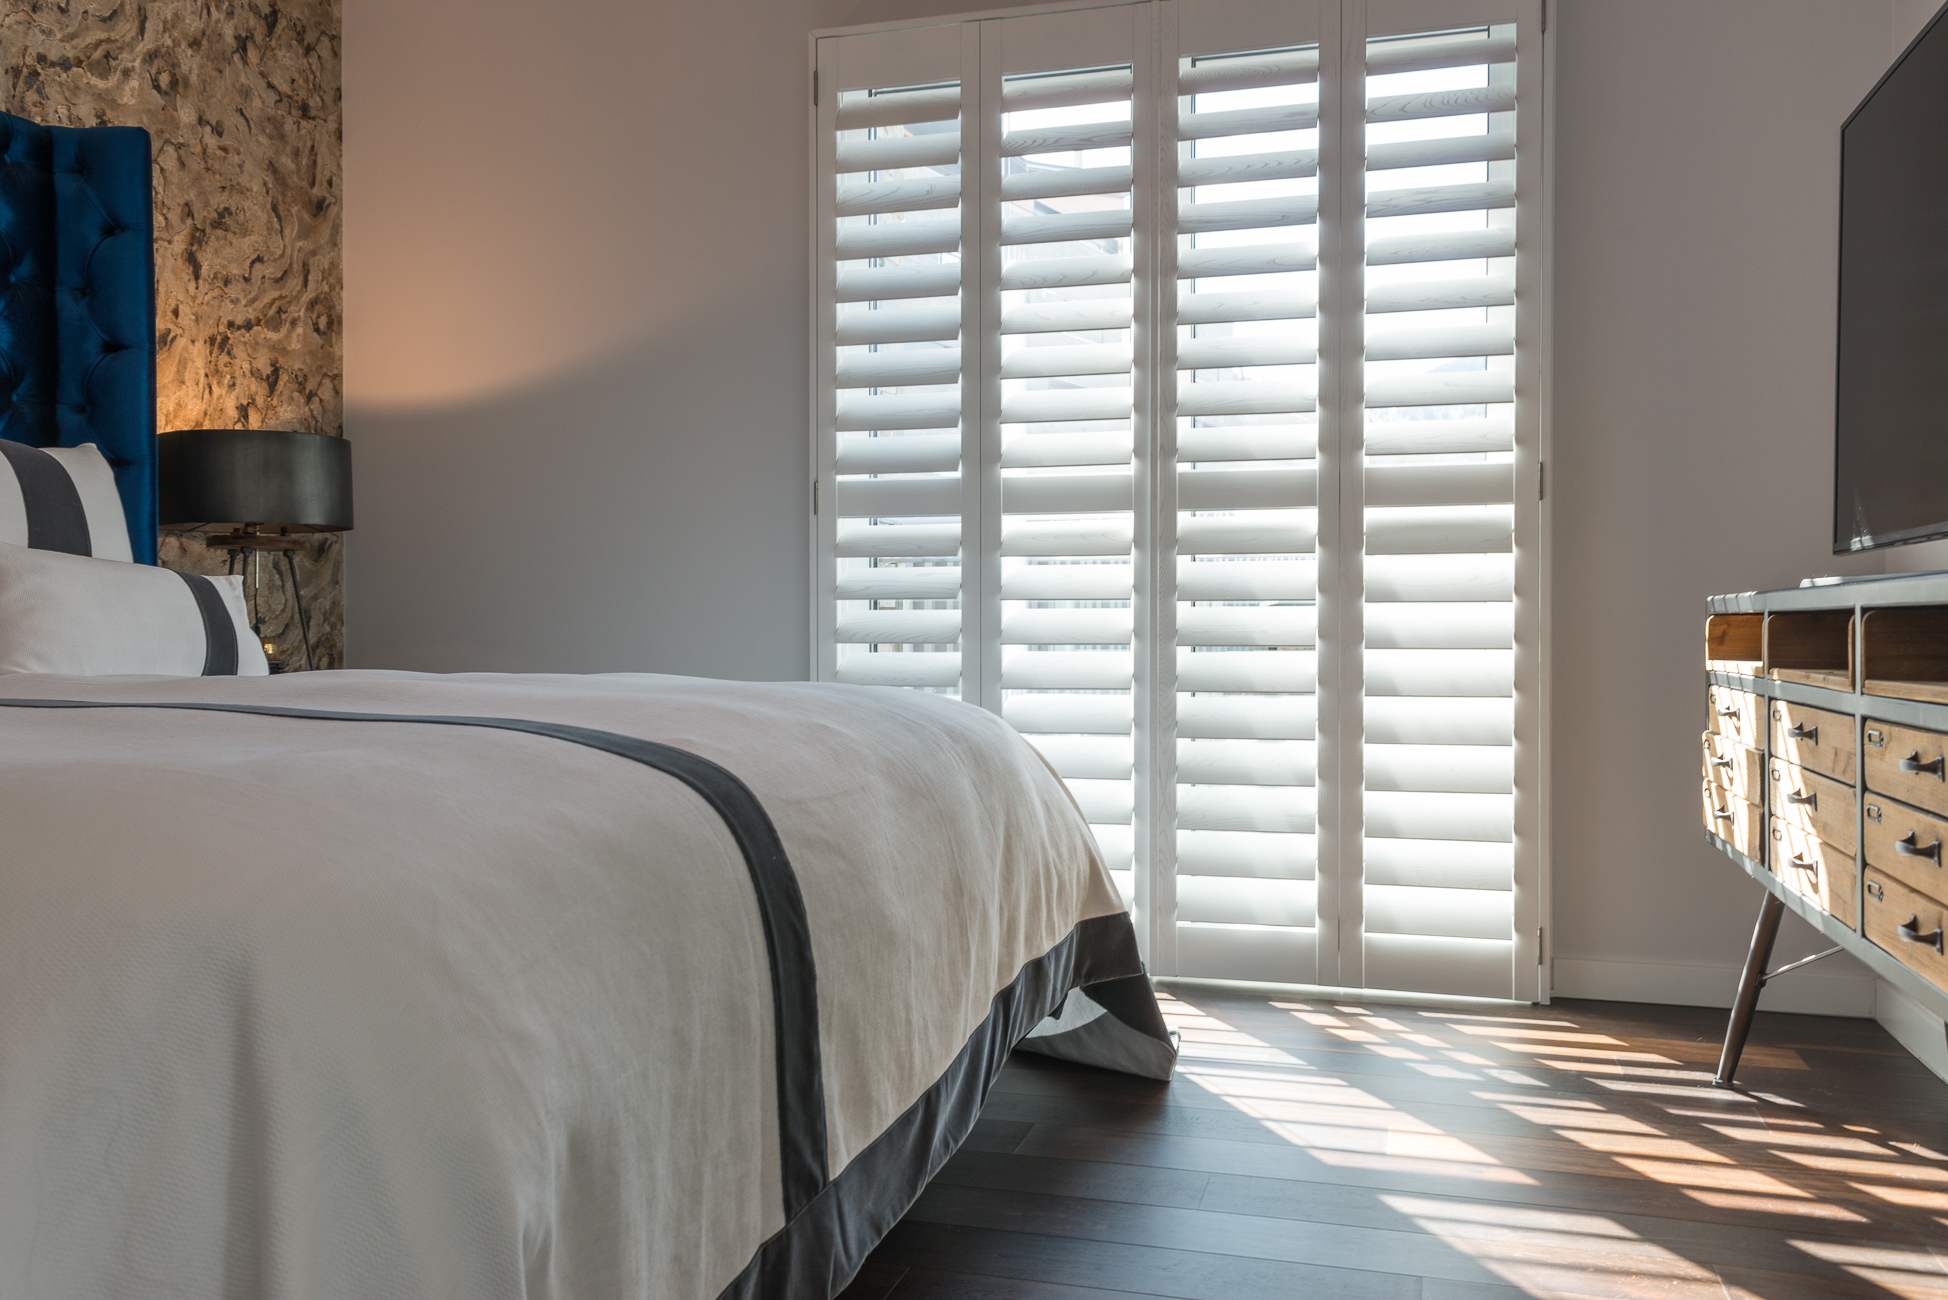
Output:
[[1904, 652]]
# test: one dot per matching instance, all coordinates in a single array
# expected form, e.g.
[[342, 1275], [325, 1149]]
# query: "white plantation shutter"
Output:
[[1175, 371], [1442, 330], [1060, 284], [888, 363], [1238, 258]]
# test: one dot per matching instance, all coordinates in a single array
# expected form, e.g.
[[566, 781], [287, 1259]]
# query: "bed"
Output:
[[386, 984]]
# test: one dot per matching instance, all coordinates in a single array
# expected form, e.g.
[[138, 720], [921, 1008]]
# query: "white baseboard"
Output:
[[1913, 1026], [1810, 992]]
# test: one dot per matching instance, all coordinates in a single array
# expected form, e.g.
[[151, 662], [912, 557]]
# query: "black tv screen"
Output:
[[1890, 472]]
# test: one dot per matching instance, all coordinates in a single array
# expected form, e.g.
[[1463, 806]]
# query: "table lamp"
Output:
[[269, 487]]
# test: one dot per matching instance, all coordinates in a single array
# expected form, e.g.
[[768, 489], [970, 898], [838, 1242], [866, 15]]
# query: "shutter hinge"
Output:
[[1542, 480], [814, 498], [814, 87], [1539, 933]]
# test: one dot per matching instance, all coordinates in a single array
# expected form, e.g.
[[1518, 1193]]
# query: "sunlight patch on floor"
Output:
[[1539, 1035], [1919, 1197], [1632, 1144], [1409, 1165], [1906, 1273], [1821, 1141], [1655, 1119], [1551, 1252], [1562, 1117], [1871, 1168], [1806, 1209]]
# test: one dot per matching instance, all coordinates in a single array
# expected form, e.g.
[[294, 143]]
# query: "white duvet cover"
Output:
[[295, 1006]]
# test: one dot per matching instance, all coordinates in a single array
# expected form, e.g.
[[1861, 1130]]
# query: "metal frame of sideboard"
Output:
[[1855, 595]]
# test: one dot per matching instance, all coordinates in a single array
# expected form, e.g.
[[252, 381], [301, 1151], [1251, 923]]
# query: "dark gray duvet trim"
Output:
[[781, 908], [219, 633], [816, 1254], [55, 518]]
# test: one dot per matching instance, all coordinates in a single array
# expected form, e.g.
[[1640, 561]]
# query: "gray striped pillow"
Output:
[[85, 617], [61, 499]]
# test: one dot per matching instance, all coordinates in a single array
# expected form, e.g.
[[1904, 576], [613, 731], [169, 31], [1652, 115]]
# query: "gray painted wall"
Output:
[[1696, 184], [576, 371]]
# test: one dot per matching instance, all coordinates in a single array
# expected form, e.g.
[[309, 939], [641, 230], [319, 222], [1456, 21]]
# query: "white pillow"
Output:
[[62, 499], [87, 617]]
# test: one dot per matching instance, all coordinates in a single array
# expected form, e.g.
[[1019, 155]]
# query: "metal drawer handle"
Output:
[[1910, 932], [1728, 713], [1719, 762], [1913, 763], [1810, 800], [1803, 733], [1722, 816], [1804, 865], [1907, 848]]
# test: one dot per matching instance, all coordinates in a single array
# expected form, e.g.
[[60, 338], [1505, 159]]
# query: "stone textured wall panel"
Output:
[[241, 101]]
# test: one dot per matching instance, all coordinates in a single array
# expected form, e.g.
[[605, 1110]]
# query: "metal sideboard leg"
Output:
[[1749, 984]]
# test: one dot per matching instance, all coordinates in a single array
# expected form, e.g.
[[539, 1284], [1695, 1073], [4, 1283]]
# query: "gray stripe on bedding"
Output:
[[56, 520], [219, 633], [781, 908]]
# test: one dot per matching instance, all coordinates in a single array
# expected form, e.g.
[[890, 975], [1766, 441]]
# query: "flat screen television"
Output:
[[1890, 446]]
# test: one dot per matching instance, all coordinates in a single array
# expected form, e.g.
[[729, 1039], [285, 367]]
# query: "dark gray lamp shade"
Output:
[[273, 477]]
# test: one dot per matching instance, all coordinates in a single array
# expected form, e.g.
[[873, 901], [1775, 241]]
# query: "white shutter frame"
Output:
[[1332, 567], [1153, 558], [1342, 291], [824, 516], [980, 384], [1533, 201]]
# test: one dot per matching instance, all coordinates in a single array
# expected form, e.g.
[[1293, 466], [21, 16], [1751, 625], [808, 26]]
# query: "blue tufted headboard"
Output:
[[78, 301]]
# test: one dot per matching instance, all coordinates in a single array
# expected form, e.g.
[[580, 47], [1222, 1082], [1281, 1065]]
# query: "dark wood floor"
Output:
[[1319, 1148]]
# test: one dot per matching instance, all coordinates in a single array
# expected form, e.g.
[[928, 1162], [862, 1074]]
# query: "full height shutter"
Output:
[[1449, 336], [1240, 378], [1177, 398]]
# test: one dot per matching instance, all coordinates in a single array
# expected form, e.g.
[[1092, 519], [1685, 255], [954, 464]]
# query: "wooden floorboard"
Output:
[[1322, 1147]]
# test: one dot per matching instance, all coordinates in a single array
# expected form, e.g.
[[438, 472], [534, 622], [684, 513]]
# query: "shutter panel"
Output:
[[1442, 331], [1061, 339], [888, 365], [1240, 374]]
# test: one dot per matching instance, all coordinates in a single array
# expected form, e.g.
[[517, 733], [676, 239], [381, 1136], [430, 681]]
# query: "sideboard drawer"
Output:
[[1734, 820], [1907, 763], [1818, 805], [1813, 738], [1733, 768], [1908, 924], [1813, 869], [1906, 843], [1738, 714]]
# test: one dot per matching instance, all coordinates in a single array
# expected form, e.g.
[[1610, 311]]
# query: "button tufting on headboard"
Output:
[[77, 319]]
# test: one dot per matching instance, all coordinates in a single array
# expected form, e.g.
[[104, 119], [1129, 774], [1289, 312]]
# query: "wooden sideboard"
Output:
[[1825, 773]]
